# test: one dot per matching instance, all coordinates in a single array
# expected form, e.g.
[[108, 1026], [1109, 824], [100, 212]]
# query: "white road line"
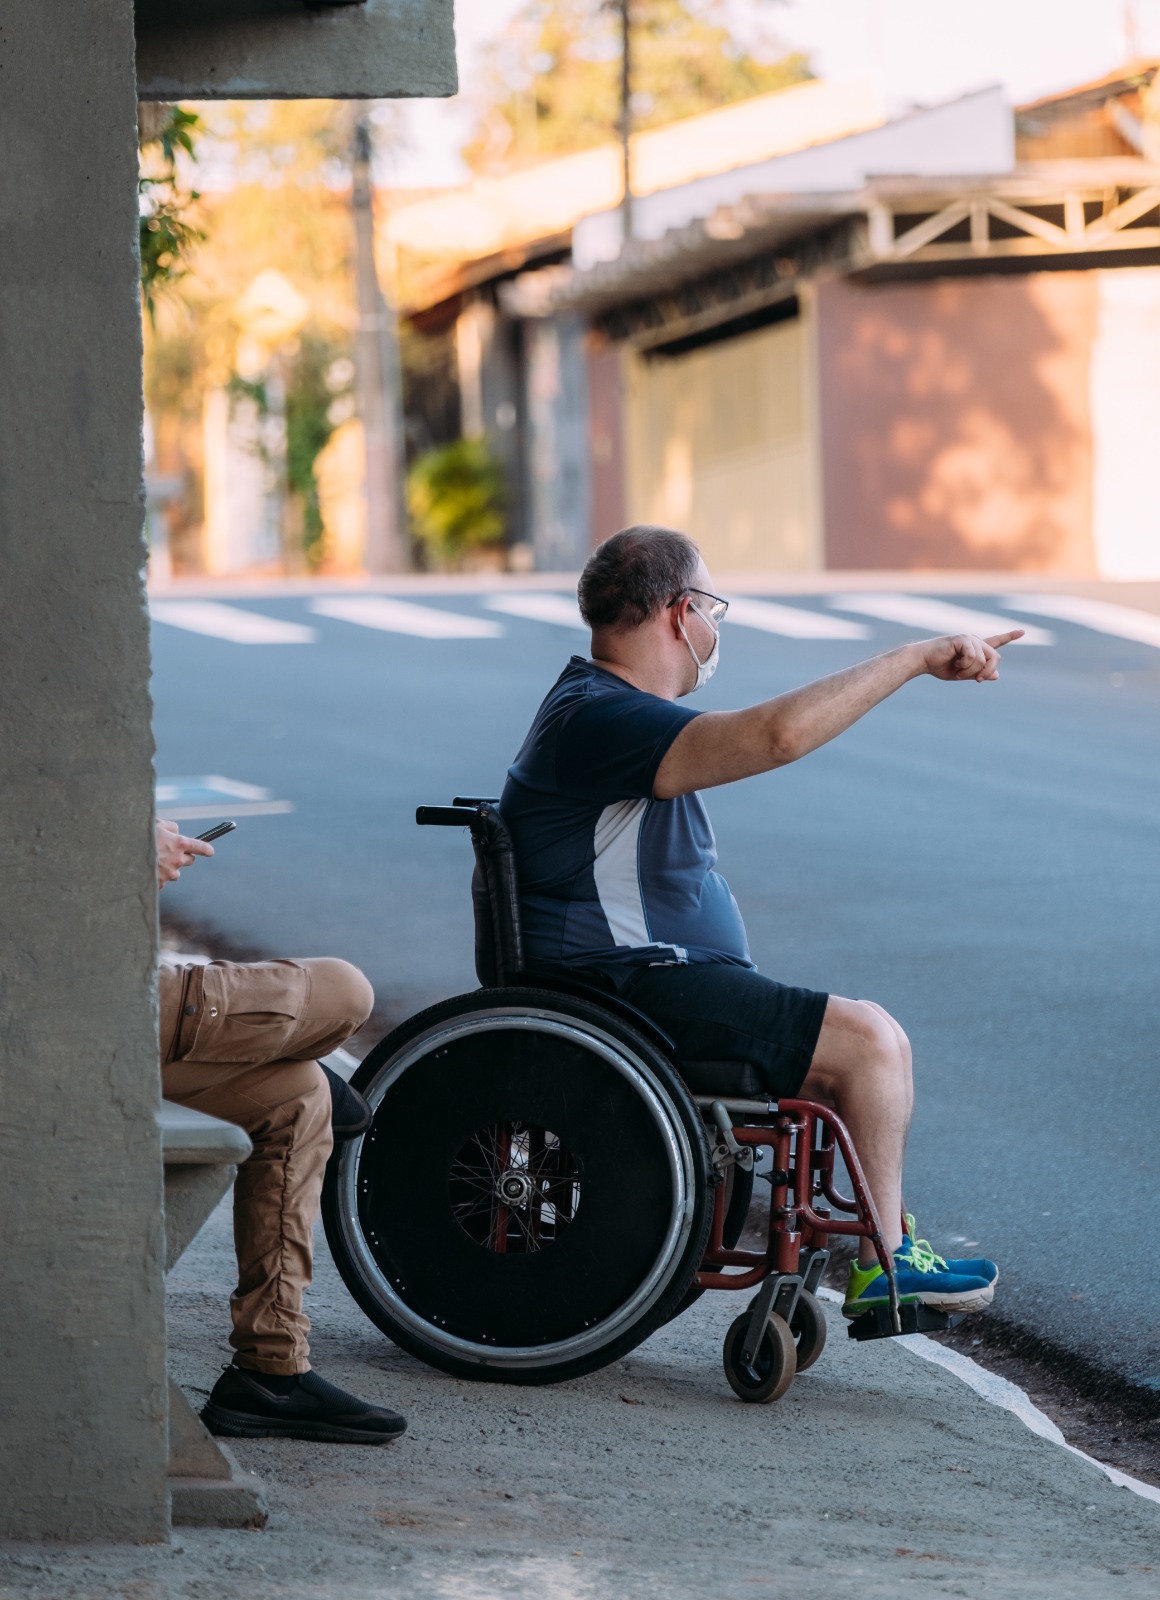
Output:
[[920, 611], [771, 617], [263, 808], [1007, 1396], [230, 622], [558, 608], [211, 795], [401, 616], [1103, 616], [1001, 1392]]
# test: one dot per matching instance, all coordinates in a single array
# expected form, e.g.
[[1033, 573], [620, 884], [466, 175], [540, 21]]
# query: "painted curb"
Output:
[[1007, 1396]]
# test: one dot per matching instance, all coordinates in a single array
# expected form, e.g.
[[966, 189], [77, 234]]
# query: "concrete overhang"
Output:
[[652, 267], [1048, 213], [437, 294], [289, 49], [1133, 75]]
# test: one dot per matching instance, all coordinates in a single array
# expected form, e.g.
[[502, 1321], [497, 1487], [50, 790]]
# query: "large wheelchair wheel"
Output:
[[531, 1199]]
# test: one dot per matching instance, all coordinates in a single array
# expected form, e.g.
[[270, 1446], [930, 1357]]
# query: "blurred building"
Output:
[[845, 341]]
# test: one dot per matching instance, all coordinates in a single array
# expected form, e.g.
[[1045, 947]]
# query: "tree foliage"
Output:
[[456, 499], [552, 80], [274, 194], [167, 235]]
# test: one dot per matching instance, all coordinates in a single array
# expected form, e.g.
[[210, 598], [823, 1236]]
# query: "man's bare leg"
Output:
[[862, 1067]]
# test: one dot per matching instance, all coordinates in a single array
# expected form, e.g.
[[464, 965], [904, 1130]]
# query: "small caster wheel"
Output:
[[808, 1327], [773, 1366]]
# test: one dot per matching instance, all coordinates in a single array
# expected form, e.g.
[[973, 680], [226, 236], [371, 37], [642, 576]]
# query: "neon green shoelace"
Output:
[[922, 1252]]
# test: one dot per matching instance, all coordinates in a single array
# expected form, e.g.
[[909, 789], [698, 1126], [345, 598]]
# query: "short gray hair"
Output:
[[635, 574]]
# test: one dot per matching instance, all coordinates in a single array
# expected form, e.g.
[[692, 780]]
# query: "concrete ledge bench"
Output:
[[208, 1488]]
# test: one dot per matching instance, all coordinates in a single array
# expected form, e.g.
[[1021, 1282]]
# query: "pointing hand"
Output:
[[963, 656]]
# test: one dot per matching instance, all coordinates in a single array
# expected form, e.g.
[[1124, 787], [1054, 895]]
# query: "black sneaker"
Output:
[[349, 1113], [248, 1405]]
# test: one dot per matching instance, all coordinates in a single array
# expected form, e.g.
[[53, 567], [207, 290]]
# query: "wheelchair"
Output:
[[539, 1191]]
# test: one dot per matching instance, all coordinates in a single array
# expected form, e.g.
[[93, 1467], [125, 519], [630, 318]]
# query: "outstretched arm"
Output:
[[722, 746]]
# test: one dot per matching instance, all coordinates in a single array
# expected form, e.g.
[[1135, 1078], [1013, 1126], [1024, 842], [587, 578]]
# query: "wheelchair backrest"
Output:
[[499, 939]]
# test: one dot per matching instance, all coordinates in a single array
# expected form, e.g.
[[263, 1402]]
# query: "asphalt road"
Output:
[[982, 860]]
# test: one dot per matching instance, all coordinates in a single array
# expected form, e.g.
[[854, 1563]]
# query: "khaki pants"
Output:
[[240, 1043]]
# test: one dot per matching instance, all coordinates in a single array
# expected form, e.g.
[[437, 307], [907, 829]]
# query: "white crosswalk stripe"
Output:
[[929, 613], [230, 622], [939, 616], [793, 623], [402, 616], [560, 609], [1102, 616]]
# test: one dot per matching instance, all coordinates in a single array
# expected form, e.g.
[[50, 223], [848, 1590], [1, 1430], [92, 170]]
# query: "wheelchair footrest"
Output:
[[876, 1323]]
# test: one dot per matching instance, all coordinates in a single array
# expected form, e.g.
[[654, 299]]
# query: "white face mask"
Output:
[[706, 668]]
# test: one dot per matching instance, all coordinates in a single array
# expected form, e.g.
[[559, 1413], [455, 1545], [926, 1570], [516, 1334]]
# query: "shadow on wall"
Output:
[[955, 423]]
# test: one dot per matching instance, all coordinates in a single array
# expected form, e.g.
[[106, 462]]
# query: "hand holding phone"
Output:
[[216, 832], [176, 850]]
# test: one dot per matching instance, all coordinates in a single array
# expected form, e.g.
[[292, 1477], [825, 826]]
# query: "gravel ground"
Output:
[[877, 1475]]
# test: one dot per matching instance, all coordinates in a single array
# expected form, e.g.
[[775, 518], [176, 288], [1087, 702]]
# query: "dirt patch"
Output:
[[1116, 1422], [185, 936]]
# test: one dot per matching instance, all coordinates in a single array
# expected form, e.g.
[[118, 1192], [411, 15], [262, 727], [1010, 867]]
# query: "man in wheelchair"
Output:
[[616, 859]]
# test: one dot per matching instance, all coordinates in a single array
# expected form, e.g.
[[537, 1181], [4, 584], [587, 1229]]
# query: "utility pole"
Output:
[[378, 375], [1131, 30], [626, 113]]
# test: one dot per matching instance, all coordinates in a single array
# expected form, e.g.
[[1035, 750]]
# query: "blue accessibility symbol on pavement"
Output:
[[211, 795]]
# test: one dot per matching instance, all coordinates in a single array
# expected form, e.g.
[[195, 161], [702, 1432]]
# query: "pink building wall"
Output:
[[954, 425]]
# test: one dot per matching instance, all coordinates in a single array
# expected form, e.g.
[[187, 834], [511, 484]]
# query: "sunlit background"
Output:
[[880, 327], [410, 335], [914, 51]]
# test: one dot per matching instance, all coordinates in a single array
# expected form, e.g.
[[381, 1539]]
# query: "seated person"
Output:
[[616, 862], [240, 1042]]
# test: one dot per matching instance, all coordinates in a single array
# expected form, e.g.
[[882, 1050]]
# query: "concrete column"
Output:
[[82, 1378], [473, 330], [559, 448], [378, 375]]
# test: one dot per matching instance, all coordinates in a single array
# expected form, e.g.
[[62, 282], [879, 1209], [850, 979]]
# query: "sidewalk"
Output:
[[1145, 595], [879, 1474]]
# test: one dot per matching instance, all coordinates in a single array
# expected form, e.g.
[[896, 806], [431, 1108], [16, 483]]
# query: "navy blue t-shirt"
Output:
[[607, 874]]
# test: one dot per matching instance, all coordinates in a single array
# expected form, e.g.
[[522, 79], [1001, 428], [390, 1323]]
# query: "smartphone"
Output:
[[215, 833]]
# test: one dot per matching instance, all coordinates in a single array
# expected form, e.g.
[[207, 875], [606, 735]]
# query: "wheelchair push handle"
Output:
[[456, 816], [499, 942], [461, 813]]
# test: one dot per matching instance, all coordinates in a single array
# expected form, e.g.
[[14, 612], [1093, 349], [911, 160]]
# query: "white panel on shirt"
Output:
[[617, 873]]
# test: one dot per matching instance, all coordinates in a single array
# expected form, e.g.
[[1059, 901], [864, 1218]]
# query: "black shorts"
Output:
[[736, 1031]]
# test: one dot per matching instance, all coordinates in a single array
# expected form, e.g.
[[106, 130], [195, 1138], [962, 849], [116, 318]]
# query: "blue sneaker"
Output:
[[970, 1267], [922, 1279]]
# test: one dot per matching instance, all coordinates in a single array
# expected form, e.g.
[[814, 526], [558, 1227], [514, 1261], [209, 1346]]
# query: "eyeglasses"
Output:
[[717, 609]]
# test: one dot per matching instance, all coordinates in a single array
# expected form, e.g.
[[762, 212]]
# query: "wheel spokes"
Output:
[[513, 1188]]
